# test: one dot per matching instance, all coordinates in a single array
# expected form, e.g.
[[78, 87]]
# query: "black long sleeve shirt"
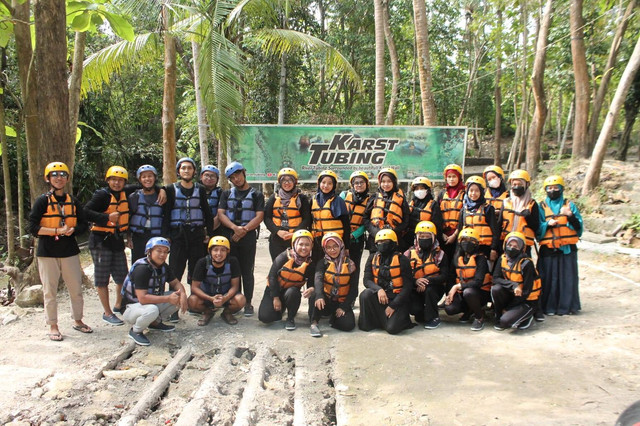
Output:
[[305, 212], [321, 268], [395, 300], [171, 201], [278, 263], [528, 276]]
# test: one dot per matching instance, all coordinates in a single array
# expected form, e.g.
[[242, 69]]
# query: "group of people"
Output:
[[468, 246]]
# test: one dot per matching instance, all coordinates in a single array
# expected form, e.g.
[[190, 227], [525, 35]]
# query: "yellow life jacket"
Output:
[[451, 209], [290, 275], [426, 213], [59, 214], [122, 206], [387, 212], [394, 271], [420, 268], [496, 202], [511, 222], [287, 216], [559, 235], [466, 272], [478, 220], [323, 220], [356, 210], [515, 274], [336, 284]]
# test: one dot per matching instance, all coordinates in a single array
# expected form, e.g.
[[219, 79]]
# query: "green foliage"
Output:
[[633, 222]]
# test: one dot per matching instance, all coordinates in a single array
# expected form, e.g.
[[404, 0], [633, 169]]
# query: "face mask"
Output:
[[425, 243], [385, 247], [512, 252], [553, 195], [518, 191], [469, 247], [420, 193], [494, 183]]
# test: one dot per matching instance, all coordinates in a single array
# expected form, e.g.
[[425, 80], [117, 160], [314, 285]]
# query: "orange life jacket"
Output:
[[496, 202], [336, 284], [466, 272], [394, 271], [356, 210], [561, 234], [478, 220], [323, 220], [426, 213], [451, 209], [420, 268], [287, 216], [290, 275], [122, 206], [387, 212], [515, 274], [59, 214], [511, 222]]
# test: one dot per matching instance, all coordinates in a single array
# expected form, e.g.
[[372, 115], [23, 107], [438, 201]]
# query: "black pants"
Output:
[[372, 315], [355, 254], [511, 311], [470, 300], [245, 251], [424, 306], [347, 322], [276, 246], [290, 299], [186, 246], [139, 242]]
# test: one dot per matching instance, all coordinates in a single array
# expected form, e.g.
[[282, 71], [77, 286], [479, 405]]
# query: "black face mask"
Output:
[[469, 247], [518, 191], [512, 252], [425, 243], [386, 247], [553, 195]]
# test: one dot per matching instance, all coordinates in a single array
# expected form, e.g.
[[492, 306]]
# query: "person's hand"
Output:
[[389, 311], [517, 291], [552, 222], [62, 231], [382, 297], [308, 292], [174, 298], [320, 304], [340, 312], [277, 304], [162, 197], [449, 298], [285, 235], [566, 210], [68, 232], [451, 239], [493, 256], [183, 302], [218, 300], [113, 217], [421, 285], [128, 243]]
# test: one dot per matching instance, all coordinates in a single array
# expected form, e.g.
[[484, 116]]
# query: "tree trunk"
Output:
[[323, 83], [75, 83], [395, 65], [566, 129], [540, 113], [581, 78], [22, 229], [606, 75], [424, 62], [29, 90], [559, 118], [203, 126], [282, 89], [497, 132], [6, 174], [380, 67], [169, 102], [631, 108], [628, 76]]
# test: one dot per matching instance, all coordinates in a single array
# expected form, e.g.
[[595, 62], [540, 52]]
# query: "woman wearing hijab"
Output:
[[520, 212], [357, 198], [451, 202], [422, 207], [330, 213], [477, 214], [286, 211], [290, 271], [496, 189], [388, 208], [336, 287], [560, 229], [516, 285], [430, 269]]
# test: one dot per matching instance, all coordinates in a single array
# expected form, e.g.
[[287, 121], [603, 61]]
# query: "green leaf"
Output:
[[120, 26], [96, 20], [78, 134], [81, 22], [76, 6], [82, 123], [10, 131], [6, 30]]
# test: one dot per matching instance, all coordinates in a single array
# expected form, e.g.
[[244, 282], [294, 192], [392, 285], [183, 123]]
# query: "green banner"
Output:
[[411, 150]]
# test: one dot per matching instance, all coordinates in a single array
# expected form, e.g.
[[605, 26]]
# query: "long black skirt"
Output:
[[560, 282]]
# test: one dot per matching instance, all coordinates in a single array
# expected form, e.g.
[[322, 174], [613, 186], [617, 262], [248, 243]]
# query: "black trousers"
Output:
[[372, 315], [511, 311], [277, 246], [355, 253], [186, 247], [245, 251], [290, 299], [470, 300], [347, 322], [139, 241]]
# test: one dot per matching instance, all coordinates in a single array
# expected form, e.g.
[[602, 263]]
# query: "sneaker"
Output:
[[477, 325], [526, 324], [174, 318], [160, 326], [498, 327], [248, 311], [550, 314], [228, 317], [112, 319], [539, 316], [139, 338], [434, 323], [314, 330], [465, 318], [290, 324]]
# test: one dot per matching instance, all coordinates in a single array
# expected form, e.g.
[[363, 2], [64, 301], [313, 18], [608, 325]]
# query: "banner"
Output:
[[411, 150]]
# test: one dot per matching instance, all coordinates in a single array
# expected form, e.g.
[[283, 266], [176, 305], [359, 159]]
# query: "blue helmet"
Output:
[[156, 241], [232, 168], [146, 168], [210, 168], [183, 160]]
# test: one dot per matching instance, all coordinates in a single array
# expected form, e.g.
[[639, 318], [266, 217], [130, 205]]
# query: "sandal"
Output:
[[55, 337], [84, 328], [227, 316], [206, 317]]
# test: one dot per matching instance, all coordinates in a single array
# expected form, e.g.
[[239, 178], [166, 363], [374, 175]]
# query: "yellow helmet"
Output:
[[477, 180], [553, 180], [328, 173], [426, 226], [518, 235], [287, 171], [329, 235], [360, 174], [386, 234], [421, 180], [469, 233], [117, 171], [388, 170], [452, 167], [301, 233], [495, 169], [218, 241], [520, 174], [56, 166]]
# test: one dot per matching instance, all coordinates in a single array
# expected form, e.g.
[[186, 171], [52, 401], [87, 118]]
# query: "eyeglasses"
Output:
[[209, 176], [61, 174], [286, 180]]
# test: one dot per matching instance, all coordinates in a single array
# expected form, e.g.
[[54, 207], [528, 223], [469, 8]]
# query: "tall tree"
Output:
[[378, 14], [424, 62], [497, 127], [631, 108], [581, 78], [395, 65], [169, 99], [6, 174]]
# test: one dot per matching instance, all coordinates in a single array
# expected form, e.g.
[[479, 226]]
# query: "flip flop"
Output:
[[55, 337], [206, 317], [84, 328]]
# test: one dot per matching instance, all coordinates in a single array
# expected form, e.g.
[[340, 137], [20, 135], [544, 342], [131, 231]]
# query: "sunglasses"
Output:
[[61, 174]]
